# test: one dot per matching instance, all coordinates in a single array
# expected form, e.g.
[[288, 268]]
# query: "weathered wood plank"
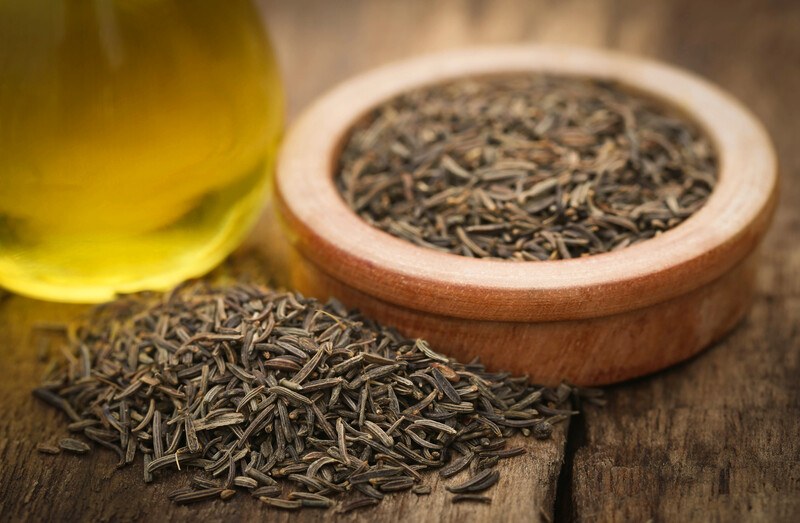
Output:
[[712, 440]]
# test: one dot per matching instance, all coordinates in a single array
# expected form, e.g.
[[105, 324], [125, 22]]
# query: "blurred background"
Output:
[[745, 46]]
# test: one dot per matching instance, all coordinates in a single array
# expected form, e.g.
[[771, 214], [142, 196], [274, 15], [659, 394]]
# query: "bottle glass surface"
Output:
[[136, 141]]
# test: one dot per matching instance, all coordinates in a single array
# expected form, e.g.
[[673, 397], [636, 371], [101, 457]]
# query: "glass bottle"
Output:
[[136, 141]]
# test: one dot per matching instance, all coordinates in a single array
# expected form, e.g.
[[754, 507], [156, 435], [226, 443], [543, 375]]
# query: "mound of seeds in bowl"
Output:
[[299, 403], [525, 167]]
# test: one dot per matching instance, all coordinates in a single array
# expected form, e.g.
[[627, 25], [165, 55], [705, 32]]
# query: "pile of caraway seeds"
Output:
[[299, 403]]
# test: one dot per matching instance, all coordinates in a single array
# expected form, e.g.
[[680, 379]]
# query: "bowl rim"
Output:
[[323, 228]]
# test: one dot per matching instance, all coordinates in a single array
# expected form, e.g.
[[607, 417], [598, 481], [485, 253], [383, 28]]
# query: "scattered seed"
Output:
[[45, 448], [285, 504], [476, 498], [74, 446]]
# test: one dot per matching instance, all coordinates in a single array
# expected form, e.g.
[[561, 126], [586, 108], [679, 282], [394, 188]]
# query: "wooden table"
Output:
[[714, 439]]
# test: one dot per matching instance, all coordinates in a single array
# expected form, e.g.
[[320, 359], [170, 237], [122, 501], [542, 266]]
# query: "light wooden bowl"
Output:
[[592, 320]]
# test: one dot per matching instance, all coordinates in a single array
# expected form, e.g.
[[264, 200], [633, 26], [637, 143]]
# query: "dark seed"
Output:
[[309, 499], [44, 448], [356, 504], [475, 498], [481, 481], [268, 491], [243, 481], [542, 430], [457, 465], [194, 496], [285, 504], [74, 446]]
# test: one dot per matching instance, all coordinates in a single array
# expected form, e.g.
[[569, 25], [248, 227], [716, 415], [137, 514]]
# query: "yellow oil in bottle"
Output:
[[136, 138]]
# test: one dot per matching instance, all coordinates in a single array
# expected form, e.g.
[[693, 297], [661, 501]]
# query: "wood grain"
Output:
[[714, 439]]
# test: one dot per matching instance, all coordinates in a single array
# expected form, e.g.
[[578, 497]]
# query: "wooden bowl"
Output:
[[592, 320]]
